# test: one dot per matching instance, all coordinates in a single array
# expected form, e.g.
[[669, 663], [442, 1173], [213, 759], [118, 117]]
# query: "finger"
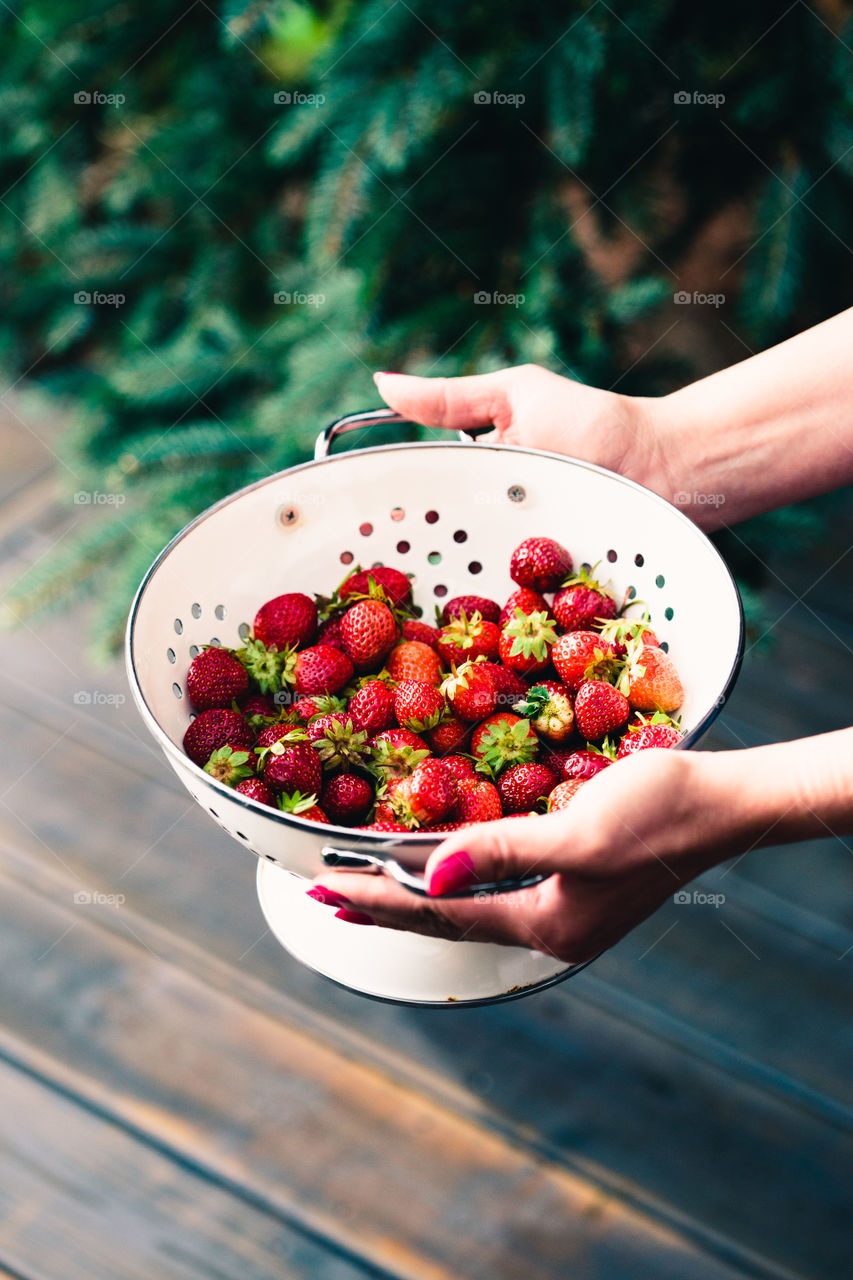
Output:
[[453, 403], [504, 850]]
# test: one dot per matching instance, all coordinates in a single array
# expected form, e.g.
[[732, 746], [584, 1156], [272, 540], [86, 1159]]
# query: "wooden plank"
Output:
[[318, 1137], [84, 1200]]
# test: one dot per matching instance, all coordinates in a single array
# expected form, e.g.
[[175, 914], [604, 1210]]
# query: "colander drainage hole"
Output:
[[440, 590], [403, 547], [669, 613], [170, 654], [431, 517], [660, 580], [220, 612], [240, 836], [397, 513], [179, 627], [612, 556], [434, 557], [460, 536], [196, 611], [664, 644], [177, 691], [365, 529], [639, 560], [213, 814], [631, 592], [475, 567], [243, 631], [193, 650], [347, 557]]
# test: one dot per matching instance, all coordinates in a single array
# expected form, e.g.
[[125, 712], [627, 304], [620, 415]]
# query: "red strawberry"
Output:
[[346, 799], [540, 563], [393, 582], [278, 733], [563, 794], [385, 792], [384, 824], [599, 709], [488, 609], [414, 629], [460, 766], [652, 734], [414, 660], [213, 729], [548, 706], [293, 766], [427, 796], [523, 787], [582, 765], [621, 631], [450, 735], [400, 738], [477, 800], [525, 642], [231, 764], [322, 669], [215, 678], [396, 752], [509, 684], [554, 759], [581, 655], [504, 739], [581, 602], [330, 633], [286, 620], [471, 691], [417, 705], [468, 638], [339, 744], [368, 631], [269, 668], [256, 790], [524, 599], [302, 806], [650, 680], [258, 711], [372, 707], [317, 704]]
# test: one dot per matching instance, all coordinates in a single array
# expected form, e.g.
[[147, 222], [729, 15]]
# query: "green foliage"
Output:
[[380, 183]]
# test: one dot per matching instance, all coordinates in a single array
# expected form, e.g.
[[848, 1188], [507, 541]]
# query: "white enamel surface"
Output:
[[242, 553]]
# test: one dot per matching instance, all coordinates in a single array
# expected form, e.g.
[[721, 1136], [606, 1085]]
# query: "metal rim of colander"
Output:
[[352, 834]]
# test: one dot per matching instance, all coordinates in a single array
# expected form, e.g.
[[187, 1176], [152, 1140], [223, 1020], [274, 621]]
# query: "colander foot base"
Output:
[[400, 968]]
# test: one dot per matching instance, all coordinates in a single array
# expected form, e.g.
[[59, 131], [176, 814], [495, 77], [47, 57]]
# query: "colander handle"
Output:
[[351, 860], [352, 422]]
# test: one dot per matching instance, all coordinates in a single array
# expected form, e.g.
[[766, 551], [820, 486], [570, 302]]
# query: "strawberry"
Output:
[[385, 792], [330, 633], [414, 629], [650, 681], [417, 705], [216, 728], [279, 733], [581, 601], [215, 678], [488, 609], [256, 790], [400, 738], [414, 660], [231, 765], [339, 744], [322, 669], [293, 766], [554, 758], [368, 631], [258, 711], [449, 735], [599, 709], [267, 667], [504, 739], [509, 684], [392, 584], [540, 563], [286, 620], [525, 642], [346, 799], [659, 731], [471, 691], [619, 631], [384, 824], [317, 704], [523, 787], [582, 765], [427, 796], [548, 706], [302, 807], [477, 800], [460, 766], [524, 599], [564, 793], [468, 637], [581, 655], [396, 752], [372, 707]]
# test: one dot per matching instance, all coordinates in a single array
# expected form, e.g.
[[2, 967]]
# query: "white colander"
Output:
[[449, 513]]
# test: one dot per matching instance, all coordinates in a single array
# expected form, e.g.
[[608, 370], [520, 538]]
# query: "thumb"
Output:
[[504, 850], [454, 403]]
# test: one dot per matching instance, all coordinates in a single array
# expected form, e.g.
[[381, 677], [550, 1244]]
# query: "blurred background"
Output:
[[218, 220]]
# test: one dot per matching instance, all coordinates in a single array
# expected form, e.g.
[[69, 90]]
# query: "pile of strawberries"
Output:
[[349, 709]]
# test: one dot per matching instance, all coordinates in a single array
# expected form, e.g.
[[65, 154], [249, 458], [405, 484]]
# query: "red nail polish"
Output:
[[353, 917], [453, 873], [386, 373], [328, 897]]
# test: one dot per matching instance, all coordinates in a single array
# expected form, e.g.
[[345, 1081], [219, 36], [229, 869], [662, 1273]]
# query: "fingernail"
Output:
[[328, 897], [353, 917], [453, 872], [385, 373]]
